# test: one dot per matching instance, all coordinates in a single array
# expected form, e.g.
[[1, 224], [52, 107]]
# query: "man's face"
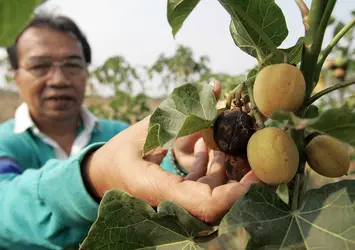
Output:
[[52, 73]]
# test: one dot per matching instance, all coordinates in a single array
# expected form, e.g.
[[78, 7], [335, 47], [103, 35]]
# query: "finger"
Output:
[[156, 156], [199, 166], [249, 179], [226, 195], [185, 143], [216, 174], [217, 87]]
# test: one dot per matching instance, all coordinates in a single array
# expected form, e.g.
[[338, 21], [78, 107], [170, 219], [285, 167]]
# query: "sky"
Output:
[[139, 31]]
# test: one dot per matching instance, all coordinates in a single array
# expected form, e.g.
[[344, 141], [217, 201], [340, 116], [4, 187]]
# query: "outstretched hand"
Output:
[[204, 192]]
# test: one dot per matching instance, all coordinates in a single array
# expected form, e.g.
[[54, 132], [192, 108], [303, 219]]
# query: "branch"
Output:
[[331, 45], [305, 13], [330, 89], [318, 19]]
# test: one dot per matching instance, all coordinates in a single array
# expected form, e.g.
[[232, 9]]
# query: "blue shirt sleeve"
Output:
[[47, 208], [8, 165]]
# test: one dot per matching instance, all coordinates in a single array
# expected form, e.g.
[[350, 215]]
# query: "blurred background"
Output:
[[137, 62]]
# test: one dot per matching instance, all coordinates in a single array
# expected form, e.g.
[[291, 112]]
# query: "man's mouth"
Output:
[[60, 98]]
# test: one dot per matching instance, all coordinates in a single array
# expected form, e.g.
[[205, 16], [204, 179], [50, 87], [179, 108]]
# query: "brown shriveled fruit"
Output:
[[328, 156], [236, 166], [232, 130], [273, 156], [279, 86], [207, 135]]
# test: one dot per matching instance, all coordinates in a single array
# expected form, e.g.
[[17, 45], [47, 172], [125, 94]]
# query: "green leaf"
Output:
[[190, 108], [14, 16], [311, 112], [282, 193], [325, 219], [257, 26], [338, 123], [178, 11], [126, 222], [295, 52]]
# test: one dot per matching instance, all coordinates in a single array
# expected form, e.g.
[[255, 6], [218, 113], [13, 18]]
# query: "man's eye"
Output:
[[40, 67], [73, 65]]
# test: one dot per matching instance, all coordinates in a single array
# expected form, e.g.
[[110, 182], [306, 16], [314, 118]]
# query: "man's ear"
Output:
[[16, 75]]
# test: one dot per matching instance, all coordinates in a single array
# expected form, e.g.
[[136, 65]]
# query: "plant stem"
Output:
[[235, 93], [256, 113], [313, 43], [295, 192], [331, 45], [314, 39], [265, 60], [305, 13], [330, 89]]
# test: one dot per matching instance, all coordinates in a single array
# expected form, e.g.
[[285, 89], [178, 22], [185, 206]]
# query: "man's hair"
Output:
[[57, 23]]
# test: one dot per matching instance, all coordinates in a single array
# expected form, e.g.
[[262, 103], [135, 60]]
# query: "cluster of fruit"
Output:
[[271, 152]]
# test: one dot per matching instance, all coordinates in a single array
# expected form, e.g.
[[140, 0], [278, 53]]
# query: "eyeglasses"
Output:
[[69, 67]]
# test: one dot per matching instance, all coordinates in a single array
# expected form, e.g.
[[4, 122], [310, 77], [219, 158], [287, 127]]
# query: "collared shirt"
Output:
[[23, 121]]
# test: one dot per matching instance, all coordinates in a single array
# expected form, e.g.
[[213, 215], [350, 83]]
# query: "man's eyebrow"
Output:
[[45, 58]]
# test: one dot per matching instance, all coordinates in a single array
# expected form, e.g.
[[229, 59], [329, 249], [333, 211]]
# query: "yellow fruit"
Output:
[[279, 86], [207, 135], [273, 156], [328, 156], [339, 73]]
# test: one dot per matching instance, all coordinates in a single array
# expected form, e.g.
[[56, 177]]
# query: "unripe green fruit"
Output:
[[328, 156], [279, 86], [273, 156], [339, 61]]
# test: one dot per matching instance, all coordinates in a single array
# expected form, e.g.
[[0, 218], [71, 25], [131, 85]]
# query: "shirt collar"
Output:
[[23, 120]]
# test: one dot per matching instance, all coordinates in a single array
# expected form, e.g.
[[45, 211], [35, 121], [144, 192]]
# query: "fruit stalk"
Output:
[[255, 111], [235, 93]]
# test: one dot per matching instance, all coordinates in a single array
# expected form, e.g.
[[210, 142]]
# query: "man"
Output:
[[55, 164]]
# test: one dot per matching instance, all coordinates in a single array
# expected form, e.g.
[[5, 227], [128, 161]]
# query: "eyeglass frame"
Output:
[[56, 63]]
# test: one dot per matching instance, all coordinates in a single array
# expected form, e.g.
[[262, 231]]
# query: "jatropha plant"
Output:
[[270, 124]]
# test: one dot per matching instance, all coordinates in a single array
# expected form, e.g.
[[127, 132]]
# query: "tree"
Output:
[[120, 76], [179, 68]]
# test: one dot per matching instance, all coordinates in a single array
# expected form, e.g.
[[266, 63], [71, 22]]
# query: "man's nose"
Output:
[[57, 77]]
